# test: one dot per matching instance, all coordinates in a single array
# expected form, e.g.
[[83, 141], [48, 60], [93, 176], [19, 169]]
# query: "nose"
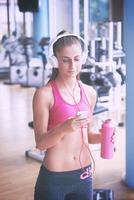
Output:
[[72, 64]]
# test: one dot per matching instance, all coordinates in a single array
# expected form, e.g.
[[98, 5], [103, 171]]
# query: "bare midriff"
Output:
[[71, 153]]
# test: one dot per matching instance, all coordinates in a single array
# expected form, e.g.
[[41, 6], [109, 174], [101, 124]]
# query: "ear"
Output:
[[53, 61], [84, 57]]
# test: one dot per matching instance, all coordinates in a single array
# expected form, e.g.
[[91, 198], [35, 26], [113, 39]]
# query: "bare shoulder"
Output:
[[43, 94], [91, 93]]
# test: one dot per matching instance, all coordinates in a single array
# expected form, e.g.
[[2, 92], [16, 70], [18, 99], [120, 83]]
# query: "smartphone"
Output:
[[83, 114]]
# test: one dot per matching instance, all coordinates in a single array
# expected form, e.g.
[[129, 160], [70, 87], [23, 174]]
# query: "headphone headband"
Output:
[[66, 35]]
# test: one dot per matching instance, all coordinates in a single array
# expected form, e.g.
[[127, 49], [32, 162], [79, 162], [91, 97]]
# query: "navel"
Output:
[[74, 157]]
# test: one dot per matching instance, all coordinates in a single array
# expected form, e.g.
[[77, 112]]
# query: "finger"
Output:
[[83, 123], [87, 120], [113, 139]]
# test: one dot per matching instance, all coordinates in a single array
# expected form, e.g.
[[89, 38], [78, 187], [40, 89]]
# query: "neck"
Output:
[[69, 86], [70, 83]]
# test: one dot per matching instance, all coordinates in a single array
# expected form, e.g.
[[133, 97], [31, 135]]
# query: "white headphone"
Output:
[[52, 58]]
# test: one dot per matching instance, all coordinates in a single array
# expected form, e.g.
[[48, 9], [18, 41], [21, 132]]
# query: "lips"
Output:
[[72, 71]]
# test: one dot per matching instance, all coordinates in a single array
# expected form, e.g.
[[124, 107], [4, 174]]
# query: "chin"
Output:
[[72, 75]]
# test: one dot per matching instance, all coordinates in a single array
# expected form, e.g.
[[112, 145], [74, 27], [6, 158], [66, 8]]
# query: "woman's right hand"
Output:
[[72, 124]]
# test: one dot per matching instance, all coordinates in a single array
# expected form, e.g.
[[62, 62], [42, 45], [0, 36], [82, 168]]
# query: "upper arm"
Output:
[[41, 104], [92, 98], [91, 95]]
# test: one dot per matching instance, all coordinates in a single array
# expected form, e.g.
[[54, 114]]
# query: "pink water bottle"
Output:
[[107, 142]]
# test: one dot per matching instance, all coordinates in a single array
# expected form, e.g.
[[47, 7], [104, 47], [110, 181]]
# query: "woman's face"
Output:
[[70, 60]]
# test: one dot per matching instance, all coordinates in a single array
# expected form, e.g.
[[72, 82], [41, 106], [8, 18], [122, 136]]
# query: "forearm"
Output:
[[50, 138], [94, 138]]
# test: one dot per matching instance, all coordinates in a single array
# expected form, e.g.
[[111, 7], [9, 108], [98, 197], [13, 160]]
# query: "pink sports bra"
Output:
[[61, 110]]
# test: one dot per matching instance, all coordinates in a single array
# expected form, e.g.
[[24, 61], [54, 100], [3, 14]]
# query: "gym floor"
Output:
[[18, 173]]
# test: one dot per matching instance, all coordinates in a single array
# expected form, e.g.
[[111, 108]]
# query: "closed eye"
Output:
[[77, 59], [65, 60]]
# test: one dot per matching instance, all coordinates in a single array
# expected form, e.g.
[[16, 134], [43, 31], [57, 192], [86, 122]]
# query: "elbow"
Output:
[[39, 144], [40, 147], [90, 141]]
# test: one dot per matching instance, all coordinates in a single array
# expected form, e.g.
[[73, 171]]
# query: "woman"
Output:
[[59, 128]]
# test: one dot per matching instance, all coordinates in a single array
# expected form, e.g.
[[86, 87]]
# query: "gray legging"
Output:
[[63, 185]]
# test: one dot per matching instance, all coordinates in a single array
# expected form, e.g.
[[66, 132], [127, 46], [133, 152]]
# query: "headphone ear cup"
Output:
[[84, 58], [53, 61]]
